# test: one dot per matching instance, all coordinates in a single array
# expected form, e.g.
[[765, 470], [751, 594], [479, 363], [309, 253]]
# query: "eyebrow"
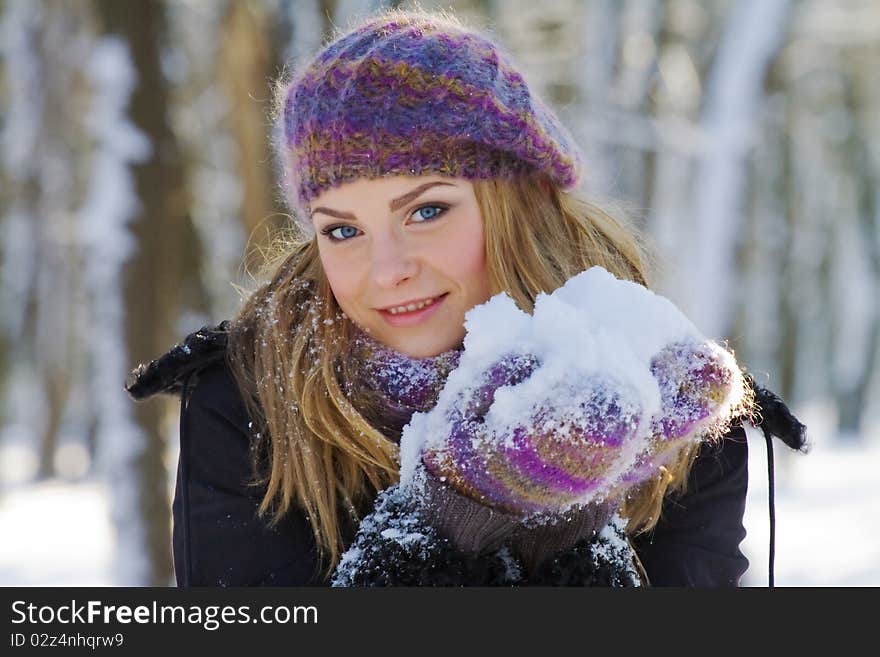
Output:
[[395, 203]]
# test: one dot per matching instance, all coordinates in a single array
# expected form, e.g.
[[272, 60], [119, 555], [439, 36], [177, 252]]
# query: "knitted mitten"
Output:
[[565, 450], [701, 386], [489, 486], [542, 485]]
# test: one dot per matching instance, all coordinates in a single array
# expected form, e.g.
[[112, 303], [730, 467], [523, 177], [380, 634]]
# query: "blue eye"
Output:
[[433, 211], [340, 233]]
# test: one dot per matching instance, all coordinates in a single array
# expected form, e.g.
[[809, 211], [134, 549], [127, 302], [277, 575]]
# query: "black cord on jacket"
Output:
[[775, 419], [184, 484], [772, 506]]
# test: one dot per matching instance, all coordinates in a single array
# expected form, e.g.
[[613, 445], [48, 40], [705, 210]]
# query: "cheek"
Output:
[[464, 258], [344, 278], [470, 262]]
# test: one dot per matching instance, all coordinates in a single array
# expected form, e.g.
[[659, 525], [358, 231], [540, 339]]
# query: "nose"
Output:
[[392, 260]]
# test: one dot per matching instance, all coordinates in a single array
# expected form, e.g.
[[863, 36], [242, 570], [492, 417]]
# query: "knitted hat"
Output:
[[411, 93]]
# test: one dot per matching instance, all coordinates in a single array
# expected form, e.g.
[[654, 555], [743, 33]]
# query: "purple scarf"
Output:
[[401, 385]]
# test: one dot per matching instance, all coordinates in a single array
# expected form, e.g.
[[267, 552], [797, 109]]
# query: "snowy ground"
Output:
[[58, 533]]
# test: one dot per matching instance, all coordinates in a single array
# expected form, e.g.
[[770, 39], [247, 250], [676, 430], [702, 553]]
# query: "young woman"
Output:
[[425, 178]]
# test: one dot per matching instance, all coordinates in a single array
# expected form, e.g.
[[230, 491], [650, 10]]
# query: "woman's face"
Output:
[[405, 257]]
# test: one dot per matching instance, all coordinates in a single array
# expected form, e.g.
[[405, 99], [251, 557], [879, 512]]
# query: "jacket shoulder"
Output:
[[167, 373]]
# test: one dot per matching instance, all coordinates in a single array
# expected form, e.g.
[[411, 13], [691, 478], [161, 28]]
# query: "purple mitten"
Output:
[[586, 438], [567, 450], [701, 390], [697, 380]]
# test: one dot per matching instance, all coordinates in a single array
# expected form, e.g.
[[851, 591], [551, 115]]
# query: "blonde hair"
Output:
[[321, 448]]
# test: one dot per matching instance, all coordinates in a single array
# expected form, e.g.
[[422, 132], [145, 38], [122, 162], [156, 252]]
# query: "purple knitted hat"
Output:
[[411, 93]]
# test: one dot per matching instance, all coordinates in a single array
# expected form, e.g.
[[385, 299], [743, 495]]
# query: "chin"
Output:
[[422, 347]]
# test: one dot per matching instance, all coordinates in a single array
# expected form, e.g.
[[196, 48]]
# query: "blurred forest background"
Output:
[[137, 186]]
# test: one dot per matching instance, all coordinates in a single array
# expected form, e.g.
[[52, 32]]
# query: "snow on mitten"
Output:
[[491, 484], [699, 389], [565, 450]]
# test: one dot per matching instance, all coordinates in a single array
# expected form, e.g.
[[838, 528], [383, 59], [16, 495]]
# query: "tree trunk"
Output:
[[151, 275], [246, 74]]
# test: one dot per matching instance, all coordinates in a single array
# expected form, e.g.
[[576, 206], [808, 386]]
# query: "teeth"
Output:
[[411, 307]]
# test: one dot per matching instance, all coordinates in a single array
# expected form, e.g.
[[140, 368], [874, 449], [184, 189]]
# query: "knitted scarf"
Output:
[[388, 387]]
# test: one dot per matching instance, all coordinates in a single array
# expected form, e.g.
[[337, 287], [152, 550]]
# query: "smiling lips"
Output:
[[411, 313], [417, 305]]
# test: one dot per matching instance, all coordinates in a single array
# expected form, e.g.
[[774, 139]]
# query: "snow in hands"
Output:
[[592, 393]]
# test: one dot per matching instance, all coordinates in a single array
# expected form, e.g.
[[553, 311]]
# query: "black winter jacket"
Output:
[[221, 542]]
